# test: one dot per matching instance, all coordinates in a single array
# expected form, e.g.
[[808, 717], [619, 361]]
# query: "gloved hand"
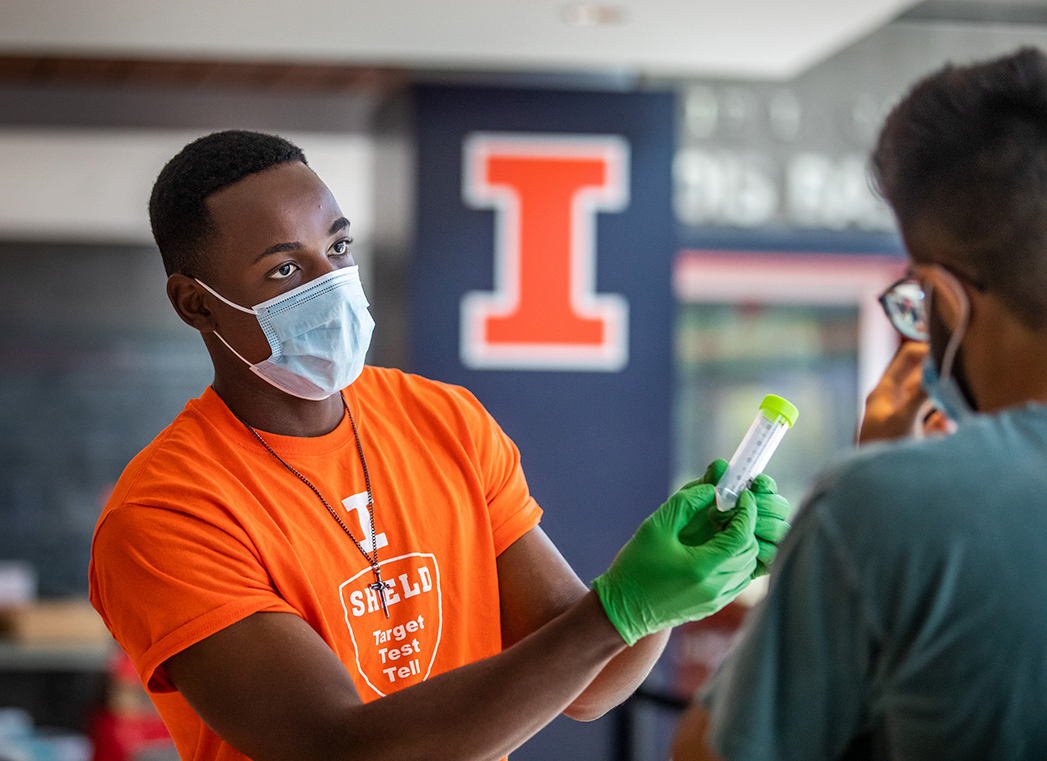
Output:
[[772, 510], [657, 581]]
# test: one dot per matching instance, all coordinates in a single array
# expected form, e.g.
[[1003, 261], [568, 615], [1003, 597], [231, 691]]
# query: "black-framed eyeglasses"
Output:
[[905, 306]]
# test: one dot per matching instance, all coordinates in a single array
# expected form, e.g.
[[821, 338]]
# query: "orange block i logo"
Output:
[[544, 313]]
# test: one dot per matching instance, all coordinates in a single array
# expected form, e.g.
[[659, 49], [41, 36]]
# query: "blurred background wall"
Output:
[[746, 245]]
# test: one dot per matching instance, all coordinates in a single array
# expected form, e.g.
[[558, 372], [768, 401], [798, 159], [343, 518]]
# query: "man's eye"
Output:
[[284, 271], [341, 248]]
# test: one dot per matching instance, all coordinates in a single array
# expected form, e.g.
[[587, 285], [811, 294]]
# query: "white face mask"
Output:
[[318, 333]]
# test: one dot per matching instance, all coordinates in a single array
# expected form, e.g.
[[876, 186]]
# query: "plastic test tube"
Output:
[[775, 417]]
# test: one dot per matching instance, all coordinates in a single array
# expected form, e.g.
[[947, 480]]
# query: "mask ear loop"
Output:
[[951, 348], [949, 357], [223, 299], [234, 351]]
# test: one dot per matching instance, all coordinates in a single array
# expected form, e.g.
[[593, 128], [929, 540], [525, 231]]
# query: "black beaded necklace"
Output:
[[378, 586]]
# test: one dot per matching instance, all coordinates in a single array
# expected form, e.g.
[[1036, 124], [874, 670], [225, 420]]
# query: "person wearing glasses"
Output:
[[906, 616]]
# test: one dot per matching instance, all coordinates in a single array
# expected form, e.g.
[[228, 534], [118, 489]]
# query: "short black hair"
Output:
[[177, 210], [963, 158]]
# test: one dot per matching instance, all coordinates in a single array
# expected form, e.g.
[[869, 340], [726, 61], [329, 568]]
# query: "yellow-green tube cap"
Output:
[[780, 408]]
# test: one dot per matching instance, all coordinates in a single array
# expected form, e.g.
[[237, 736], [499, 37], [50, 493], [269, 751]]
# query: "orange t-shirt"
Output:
[[205, 527]]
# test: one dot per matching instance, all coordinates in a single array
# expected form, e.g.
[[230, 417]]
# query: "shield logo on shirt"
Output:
[[399, 651]]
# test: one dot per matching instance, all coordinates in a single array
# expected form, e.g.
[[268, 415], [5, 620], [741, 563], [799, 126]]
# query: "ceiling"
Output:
[[752, 39]]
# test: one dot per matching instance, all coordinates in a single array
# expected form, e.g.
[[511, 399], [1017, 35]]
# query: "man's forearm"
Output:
[[489, 708], [271, 688], [619, 678]]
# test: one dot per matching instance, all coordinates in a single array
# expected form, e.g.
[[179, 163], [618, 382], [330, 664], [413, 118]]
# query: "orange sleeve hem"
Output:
[[516, 526], [150, 665]]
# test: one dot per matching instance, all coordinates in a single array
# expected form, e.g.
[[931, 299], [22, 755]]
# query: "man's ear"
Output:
[[948, 294], [187, 298]]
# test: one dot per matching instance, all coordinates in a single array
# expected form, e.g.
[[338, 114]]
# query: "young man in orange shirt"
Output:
[[320, 559]]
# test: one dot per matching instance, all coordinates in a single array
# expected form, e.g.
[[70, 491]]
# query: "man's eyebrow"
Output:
[[278, 248], [339, 224]]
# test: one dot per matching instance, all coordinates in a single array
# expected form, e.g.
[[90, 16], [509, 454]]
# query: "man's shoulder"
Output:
[[922, 481], [188, 453], [388, 385], [392, 377], [984, 442], [875, 472]]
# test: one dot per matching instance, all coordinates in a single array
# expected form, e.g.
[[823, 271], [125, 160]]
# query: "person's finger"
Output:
[[908, 358], [739, 535], [686, 504], [763, 484], [714, 472], [892, 406], [772, 505], [762, 568], [770, 529], [937, 422]]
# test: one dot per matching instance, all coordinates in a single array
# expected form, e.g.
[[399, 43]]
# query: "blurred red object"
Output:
[[698, 647], [126, 723]]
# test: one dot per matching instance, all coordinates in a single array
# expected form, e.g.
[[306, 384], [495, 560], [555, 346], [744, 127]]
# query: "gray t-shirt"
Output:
[[907, 612]]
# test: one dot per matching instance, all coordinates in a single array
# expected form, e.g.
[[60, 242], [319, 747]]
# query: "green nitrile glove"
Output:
[[709, 520], [656, 581], [772, 510], [772, 513], [714, 472]]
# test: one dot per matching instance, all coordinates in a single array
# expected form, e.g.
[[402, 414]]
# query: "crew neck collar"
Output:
[[214, 408]]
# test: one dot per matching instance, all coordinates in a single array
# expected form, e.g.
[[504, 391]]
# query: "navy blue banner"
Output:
[[542, 282]]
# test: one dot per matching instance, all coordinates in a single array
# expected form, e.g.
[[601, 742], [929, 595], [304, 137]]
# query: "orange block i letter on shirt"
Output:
[[544, 313]]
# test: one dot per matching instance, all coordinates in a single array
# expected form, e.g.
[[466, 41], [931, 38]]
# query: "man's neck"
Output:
[[270, 410], [265, 407], [1005, 360], [1021, 379]]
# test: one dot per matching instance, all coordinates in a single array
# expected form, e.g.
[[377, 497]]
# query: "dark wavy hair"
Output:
[[177, 209], [962, 161]]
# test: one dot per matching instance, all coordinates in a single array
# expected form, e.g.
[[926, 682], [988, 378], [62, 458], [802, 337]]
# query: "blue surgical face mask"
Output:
[[945, 392], [318, 335]]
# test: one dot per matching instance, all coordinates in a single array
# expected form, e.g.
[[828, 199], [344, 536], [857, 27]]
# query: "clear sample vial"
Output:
[[775, 417]]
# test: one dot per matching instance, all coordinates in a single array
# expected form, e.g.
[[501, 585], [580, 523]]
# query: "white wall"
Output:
[[92, 185]]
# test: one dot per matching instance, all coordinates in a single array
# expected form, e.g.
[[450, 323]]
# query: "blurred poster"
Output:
[[804, 326]]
